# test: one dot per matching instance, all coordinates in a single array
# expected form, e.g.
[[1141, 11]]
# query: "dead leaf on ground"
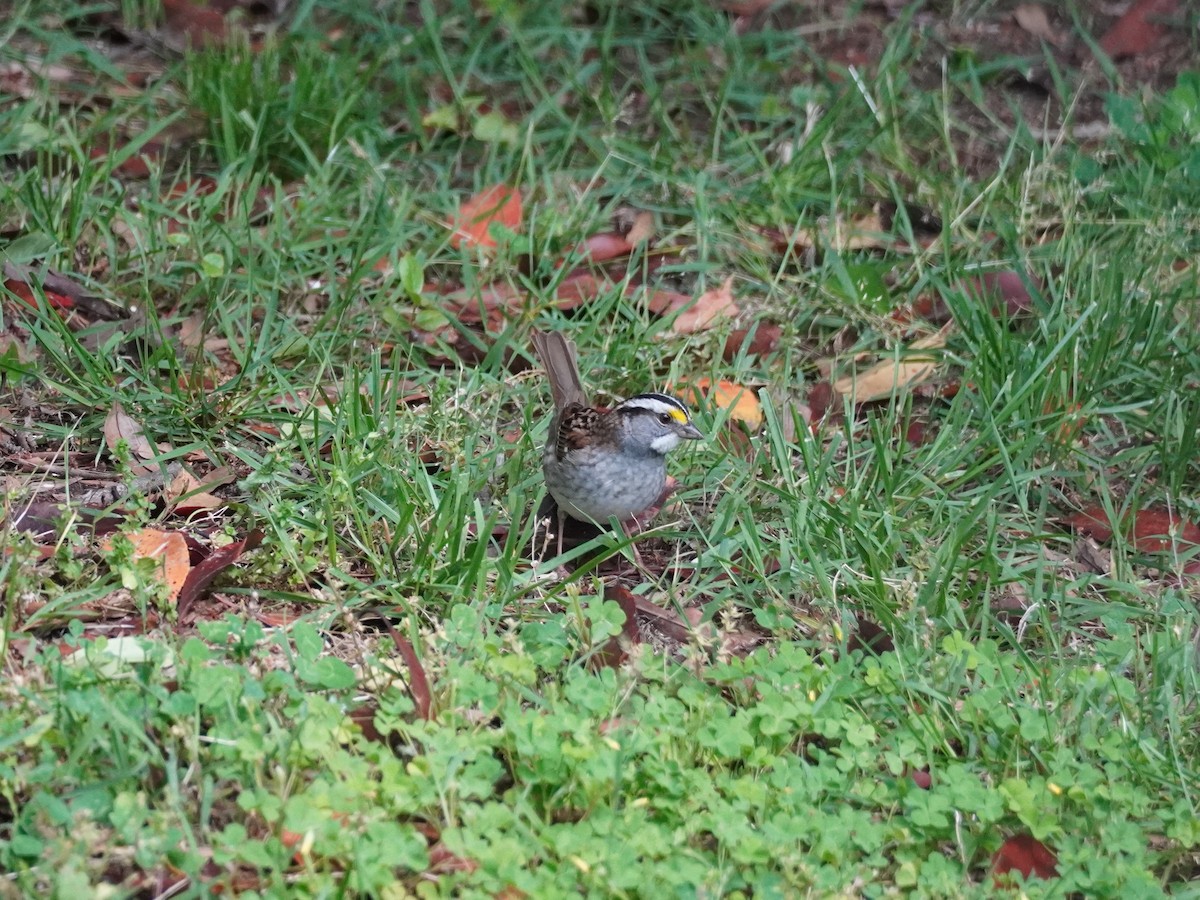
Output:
[[1138, 29], [498, 204], [616, 649], [599, 248], [62, 291], [25, 294], [1153, 530], [684, 630], [870, 636], [1007, 285], [120, 426], [640, 225], [203, 573], [418, 681], [189, 494], [764, 341], [169, 548], [664, 303], [1025, 854], [821, 399], [742, 402], [711, 306], [865, 232], [890, 376], [1033, 19]]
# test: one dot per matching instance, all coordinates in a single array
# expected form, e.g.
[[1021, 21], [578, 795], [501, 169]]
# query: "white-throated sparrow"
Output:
[[601, 465]]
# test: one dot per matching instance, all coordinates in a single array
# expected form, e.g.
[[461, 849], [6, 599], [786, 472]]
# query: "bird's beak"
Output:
[[691, 432]]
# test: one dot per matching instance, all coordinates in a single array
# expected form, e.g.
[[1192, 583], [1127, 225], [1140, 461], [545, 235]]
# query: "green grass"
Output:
[[223, 752]]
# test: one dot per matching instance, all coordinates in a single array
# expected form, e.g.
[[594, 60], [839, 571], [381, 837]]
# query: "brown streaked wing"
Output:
[[574, 427]]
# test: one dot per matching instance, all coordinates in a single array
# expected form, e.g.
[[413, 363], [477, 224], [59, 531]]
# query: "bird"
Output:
[[600, 464]]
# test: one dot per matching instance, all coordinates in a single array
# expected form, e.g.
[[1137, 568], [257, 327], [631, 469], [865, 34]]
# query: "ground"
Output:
[[281, 612]]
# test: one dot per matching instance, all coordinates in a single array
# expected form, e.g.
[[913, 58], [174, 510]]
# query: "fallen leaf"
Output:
[[1032, 18], [196, 23], [916, 433], [664, 303], [641, 227], [890, 376], [742, 403], [710, 306], [576, 289], [870, 636], [189, 495], [765, 340], [866, 232], [120, 426], [1154, 530], [1006, 285], [25, 294], [169, 548], [1025, 854], [497, 204], [745, 7], [203, 573], [741, 643], [418, 681], [1138, 29], [821, 402], [442, 860], [600, 248], [616, 649], [683, 630]]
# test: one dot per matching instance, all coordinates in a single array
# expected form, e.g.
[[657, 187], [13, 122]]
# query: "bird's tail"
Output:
[[558, 357]]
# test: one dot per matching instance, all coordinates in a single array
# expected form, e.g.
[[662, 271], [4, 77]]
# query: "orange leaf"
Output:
[[1025, 854], [171, 551], [741, 402], [663, 303], [25, 294], [709, 307], [1154, 530], [1138, 29], [499, 203]]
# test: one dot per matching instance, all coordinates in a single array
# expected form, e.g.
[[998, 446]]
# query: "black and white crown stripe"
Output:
[[658, 404]]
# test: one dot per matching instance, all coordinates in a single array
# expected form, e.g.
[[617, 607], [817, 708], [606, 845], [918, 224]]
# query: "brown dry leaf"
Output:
[[1025, 854], [864, 233], [741, 402], [418, 681], [710, 306], [766, 340], [169, 548], [496, 204], [892, 375], [1154, 530], [600, 248], [1032, 18], [1007, 286], [198, 25], [1138, 29], [641, 229], [201, 577], [188, 494], [120, 426], [663, 303], [616, 649]]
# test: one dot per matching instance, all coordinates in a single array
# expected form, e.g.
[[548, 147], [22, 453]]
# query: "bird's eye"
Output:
[[665, 418]]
